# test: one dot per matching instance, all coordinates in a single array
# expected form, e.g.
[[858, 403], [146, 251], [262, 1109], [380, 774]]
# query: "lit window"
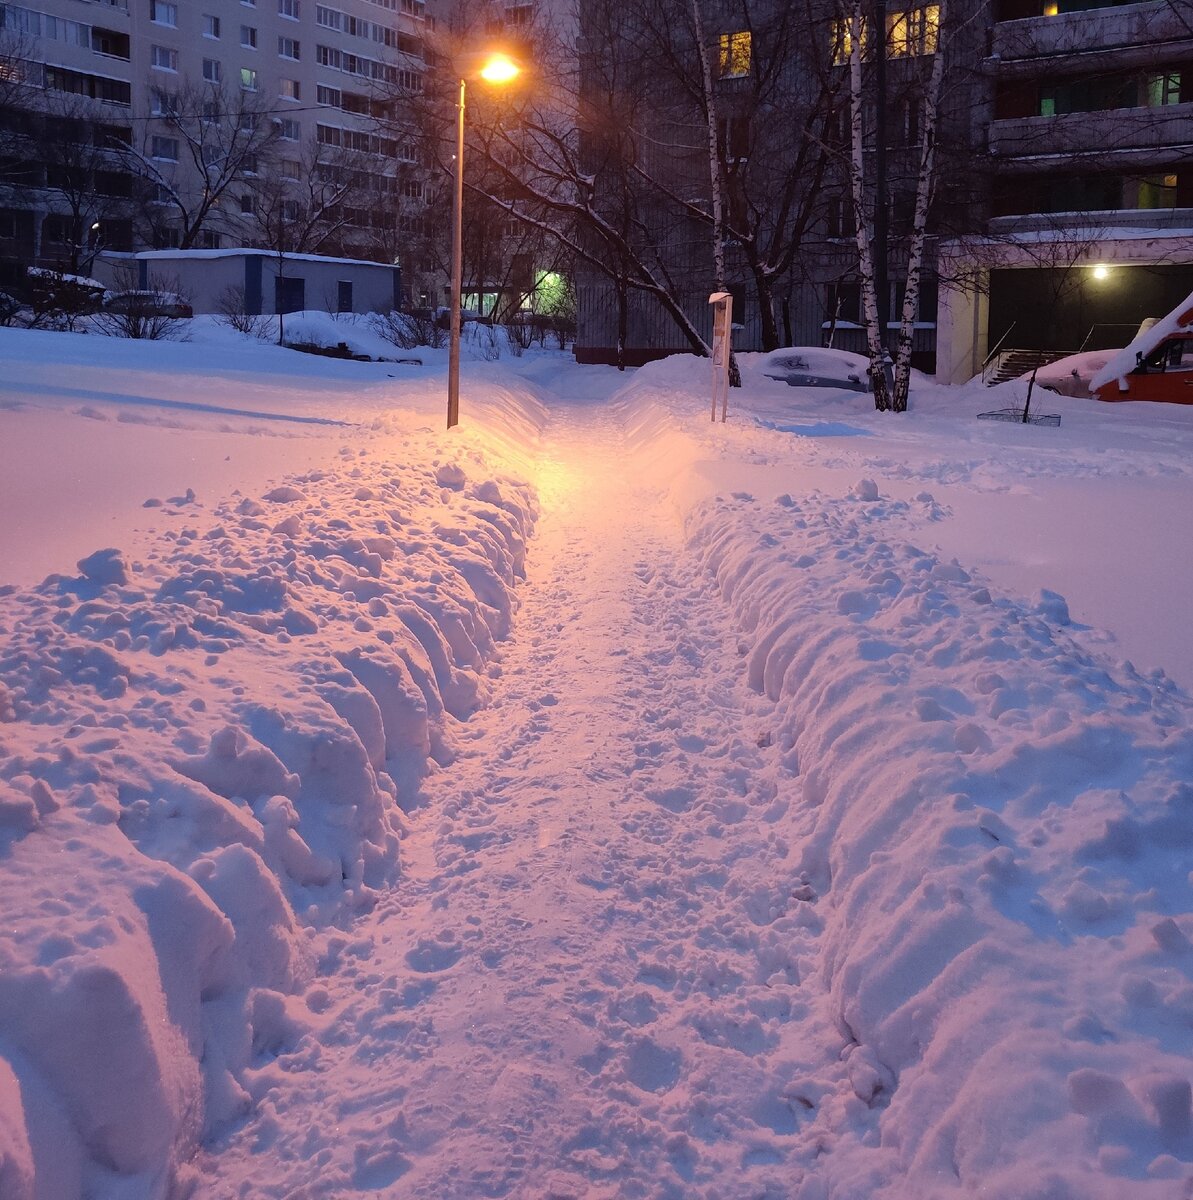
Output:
[[916, 31], [248, 79], [734, 56], [843, 40], [1164, 89]]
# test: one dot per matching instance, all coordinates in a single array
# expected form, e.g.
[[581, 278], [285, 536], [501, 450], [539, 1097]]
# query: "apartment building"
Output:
[[150, 124], [1090, 152], [1064, 207]]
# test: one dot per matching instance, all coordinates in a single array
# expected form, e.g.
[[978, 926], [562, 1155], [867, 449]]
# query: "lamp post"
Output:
[[497, 69]]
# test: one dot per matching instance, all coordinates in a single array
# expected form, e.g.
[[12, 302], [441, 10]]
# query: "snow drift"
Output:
[[204, 755]]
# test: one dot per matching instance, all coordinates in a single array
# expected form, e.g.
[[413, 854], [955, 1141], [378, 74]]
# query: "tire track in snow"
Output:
[[593, 979]]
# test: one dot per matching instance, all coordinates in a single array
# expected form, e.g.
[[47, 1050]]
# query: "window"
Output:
[[164, 104], [328, 18], [289, 89], [1164, 89], [288, 8], [248, 79], [164, 59], [288, 48], [211, 112], [913, 32], [289, 129], [211, 26], [343, 295], [110, 42], [248, 122], [210, 240], [290, 168], [246, 203], [327, 95], [164, 148], [248, 37], [327, 135], [248, 164], [733, 58], [211, 70], [328, 56], [1157, 191], [733, 133], [163, 13]]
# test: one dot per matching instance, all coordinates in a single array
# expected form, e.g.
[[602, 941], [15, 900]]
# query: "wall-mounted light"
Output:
[[1101, 272]]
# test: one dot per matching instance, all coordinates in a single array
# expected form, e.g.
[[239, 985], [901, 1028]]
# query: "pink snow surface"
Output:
[[768, 824]]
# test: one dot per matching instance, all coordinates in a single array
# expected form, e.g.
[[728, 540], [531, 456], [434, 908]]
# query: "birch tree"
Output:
[[854, 31], [925, 187], [715, 174]]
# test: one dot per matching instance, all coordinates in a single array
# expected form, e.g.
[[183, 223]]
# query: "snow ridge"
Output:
[[1013, 992], [273, 682]]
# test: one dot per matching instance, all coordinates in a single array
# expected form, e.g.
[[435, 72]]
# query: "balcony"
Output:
[[1131, 33], [1111, 135]]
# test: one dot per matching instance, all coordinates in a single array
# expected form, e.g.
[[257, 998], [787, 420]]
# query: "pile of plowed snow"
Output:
[[204, 755]]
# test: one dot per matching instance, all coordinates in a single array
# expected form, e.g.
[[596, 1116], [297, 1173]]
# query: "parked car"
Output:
[[1157, 365], [148, 304], [811, 366]]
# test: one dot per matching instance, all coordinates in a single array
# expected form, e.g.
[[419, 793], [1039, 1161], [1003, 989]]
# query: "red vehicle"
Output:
[[1157, 365]]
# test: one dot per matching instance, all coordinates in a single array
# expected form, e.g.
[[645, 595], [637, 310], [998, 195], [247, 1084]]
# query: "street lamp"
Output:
[[497, 69]]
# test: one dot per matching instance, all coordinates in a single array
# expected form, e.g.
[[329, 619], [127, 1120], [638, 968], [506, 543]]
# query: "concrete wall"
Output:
[[204, 278]]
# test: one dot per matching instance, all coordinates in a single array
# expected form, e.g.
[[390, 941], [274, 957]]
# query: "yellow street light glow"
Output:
[[500, 69], [1101, 272]]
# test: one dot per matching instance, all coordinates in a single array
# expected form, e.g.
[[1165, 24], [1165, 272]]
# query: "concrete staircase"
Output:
[[1010, 364]]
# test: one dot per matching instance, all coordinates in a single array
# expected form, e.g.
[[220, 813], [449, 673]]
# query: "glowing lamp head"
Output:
[[1101, 272], [499, 68]]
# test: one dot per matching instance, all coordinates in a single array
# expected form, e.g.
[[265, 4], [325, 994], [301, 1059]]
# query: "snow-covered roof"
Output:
[[1144, 342], [244, 252]]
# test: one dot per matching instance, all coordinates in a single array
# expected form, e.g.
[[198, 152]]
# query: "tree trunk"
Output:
[[623, 320], [925, 185], [714, 172], [855, 26]]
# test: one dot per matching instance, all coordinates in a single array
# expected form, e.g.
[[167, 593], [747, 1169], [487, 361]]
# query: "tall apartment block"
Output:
[[1064, 212], [1090, 159], [120, 119]]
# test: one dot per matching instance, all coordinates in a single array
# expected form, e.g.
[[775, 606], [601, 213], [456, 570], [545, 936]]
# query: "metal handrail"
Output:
[[998, 345]]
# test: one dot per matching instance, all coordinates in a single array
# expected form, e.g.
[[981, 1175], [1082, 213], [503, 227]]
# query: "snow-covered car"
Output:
[[800, 366], [148, 304]]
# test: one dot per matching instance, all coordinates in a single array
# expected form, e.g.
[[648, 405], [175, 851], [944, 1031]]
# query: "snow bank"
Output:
[[204, 755], [998, 824], [993, 825]]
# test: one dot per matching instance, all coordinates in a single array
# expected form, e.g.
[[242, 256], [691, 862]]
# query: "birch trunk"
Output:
[[714, 171], [855, 26], [925, 186]]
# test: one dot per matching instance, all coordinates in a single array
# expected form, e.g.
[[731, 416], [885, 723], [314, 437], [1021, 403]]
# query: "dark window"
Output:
[[344, 295], [289, 294]]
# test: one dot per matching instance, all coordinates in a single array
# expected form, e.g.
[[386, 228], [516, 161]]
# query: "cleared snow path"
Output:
[[584, 983]]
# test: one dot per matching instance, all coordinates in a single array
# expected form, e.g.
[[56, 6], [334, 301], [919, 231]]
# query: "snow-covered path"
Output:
[[579, 986]]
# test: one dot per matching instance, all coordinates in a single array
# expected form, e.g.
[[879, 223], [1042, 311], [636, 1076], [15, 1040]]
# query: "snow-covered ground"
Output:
[[592, 801]]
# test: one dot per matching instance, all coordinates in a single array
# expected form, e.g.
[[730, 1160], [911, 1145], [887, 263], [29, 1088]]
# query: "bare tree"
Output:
[[202, 142]]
